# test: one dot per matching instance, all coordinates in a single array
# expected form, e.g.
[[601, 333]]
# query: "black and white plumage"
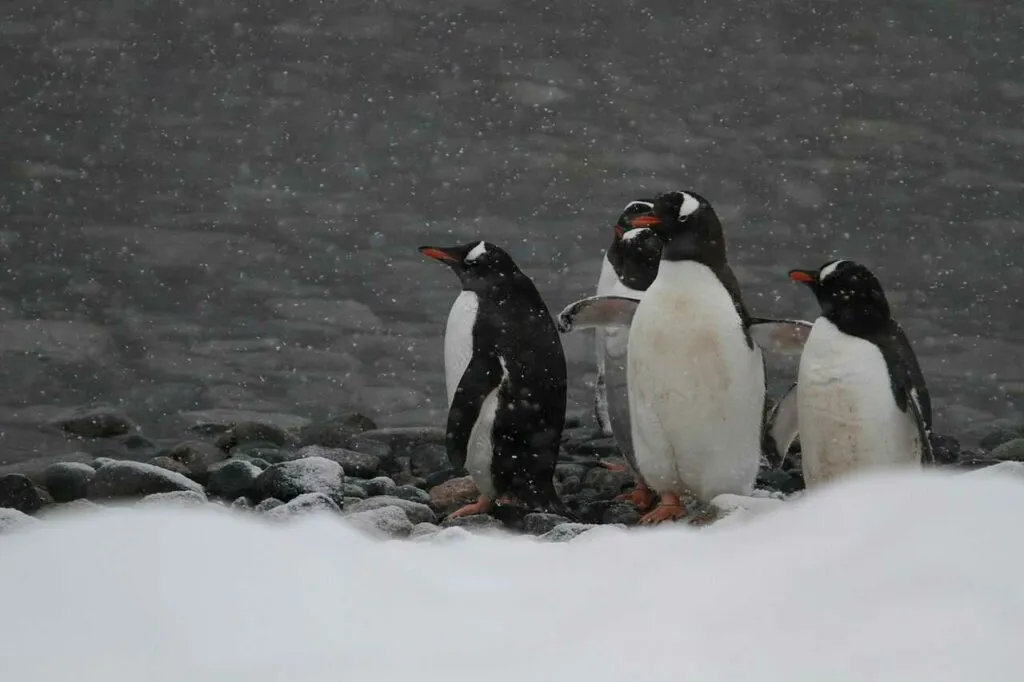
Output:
[[507, 411], [862, 400]]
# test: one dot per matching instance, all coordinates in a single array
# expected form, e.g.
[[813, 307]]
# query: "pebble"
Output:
[[407, 437], [453, 494], [75, 506], [1009, 450], [385, 521], [99, 421], [354, 491], [607, 483], [197, 457], [232, 478], [261, 451], [13, 519], [475, 522], [539, 523], [417, 513], [116, 479], [371, 446], [242, 503], [411, 493], [624, 513], [427, 458], [564, 532], [253, 431], [598, 447], [221, 420], [67, 481], [268, 504], [178, 498], [305, 504], [17, 491], [358, 464], [380, 485], [165, 462], [288, 480], [421, 530], [946, 449], [993, 439]]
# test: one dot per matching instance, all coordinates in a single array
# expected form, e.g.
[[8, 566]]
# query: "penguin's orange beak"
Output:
[[803, 276], [645, 221], [438, 254]]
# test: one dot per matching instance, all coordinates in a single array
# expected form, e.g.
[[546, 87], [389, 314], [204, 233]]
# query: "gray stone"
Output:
[[178, 498], [65, 508], [100, 421], [538, 523], [307, 503], [67, 481], [474, 522], [407, 437], [384, 521], [262, 451], [253, 432], [353, 490], [607, 483], [428, 458], [220, 420], [288, 480], [370, 446], [381, 485], [13, 519], [411, 493], [242, 503], [165, 462], [19, 492], [564, 532], [421, 530], [197, 457], [1010, 450], [621, 512], [417, 513], [232, 478], [996, 437], [268, 504], [359, 464], [116, 479]]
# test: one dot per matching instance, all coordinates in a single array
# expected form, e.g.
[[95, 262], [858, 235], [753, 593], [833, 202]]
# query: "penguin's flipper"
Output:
[[482, 375], [597, 311], [782, 427], [923, 432], [780, 336]]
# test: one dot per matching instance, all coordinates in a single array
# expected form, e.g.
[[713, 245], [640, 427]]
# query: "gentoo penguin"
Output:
[[507, 411], [695, 370], [862, 402], [635, 265], [610, 277]]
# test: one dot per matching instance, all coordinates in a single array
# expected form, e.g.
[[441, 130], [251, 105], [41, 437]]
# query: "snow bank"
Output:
[[897, 577]]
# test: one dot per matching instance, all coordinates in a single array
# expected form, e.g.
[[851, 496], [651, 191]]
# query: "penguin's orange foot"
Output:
[[481, 506], [612, 466], [641, 496], [669, 509]]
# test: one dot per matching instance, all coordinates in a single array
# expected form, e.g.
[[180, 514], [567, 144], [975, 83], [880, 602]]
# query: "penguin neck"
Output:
[[691, 247], [860, 321]]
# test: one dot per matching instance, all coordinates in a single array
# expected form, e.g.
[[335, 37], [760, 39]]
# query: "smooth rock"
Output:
[[539, 523], [384, 521], [262, 451], [412, 493], [136, 479], [268, 504], [67, 481], [354, 463], [220, 420], [422, 530], [232, 478], [474, 522], [417, 513], [427, 458], [327, 434], [13, 519], [288, 480], [100, 421], [407, 437], [17, 491], [252, 432], [178, 498], [306, 503], [197, 457], [453, 494], [1010, 450], [380, 485], [996, 437], [354, 491], [564, 532]]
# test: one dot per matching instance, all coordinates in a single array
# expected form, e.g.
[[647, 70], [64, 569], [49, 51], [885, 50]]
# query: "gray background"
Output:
[[218, 204]]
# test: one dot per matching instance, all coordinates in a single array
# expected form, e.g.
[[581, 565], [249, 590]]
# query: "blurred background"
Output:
[[217, 204]]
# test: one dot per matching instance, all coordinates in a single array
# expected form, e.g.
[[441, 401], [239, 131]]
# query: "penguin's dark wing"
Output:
[[781, 427], [482, 375], [779, 336], [908, 384], [597, 311]]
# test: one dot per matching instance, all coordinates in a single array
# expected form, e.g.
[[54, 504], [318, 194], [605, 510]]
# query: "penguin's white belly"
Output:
[[848, 418], [458, 340], [481, 446], [696, 388]]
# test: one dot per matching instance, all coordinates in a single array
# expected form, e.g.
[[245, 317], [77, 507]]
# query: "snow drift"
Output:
[[903, 577]]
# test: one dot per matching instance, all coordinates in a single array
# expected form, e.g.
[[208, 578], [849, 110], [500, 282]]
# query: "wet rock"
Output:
[[268, 504], [337, 433], [1010, 450], [12, 520], [407, 437], [607, 483], [423, 530], [427, 458], [996, 437], [136, 479], [67, 481], [417, 513], [288, 480], [384, 521], [100, 421], [381, 485], [945, 448], [354, 463], [307, 503], [411, 493], [624, 513], [17, 491], [136, 443], [232, 478], [453, 494], [564, 532], [539, 523], [264, 452], [197, 457], [178, 498], [165, 462], [475, 522], [354, 491], [443, 476], [220, 421], [253, 432]]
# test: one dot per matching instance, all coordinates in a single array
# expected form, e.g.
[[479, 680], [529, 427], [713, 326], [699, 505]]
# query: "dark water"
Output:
[[217, 204]]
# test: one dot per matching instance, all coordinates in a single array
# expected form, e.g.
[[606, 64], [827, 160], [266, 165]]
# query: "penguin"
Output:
[[507, 410], [695, 369], [862, 401], [610, 277], [635, 263]]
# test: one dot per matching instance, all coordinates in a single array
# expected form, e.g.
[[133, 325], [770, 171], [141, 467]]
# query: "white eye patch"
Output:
[[646, 205], [829, 269], [689, 205], [477, 252]]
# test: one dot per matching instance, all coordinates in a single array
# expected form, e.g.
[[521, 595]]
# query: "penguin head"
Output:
[[849, 295], [640, 253], [479, 265], [638, 208], [689, 227]]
